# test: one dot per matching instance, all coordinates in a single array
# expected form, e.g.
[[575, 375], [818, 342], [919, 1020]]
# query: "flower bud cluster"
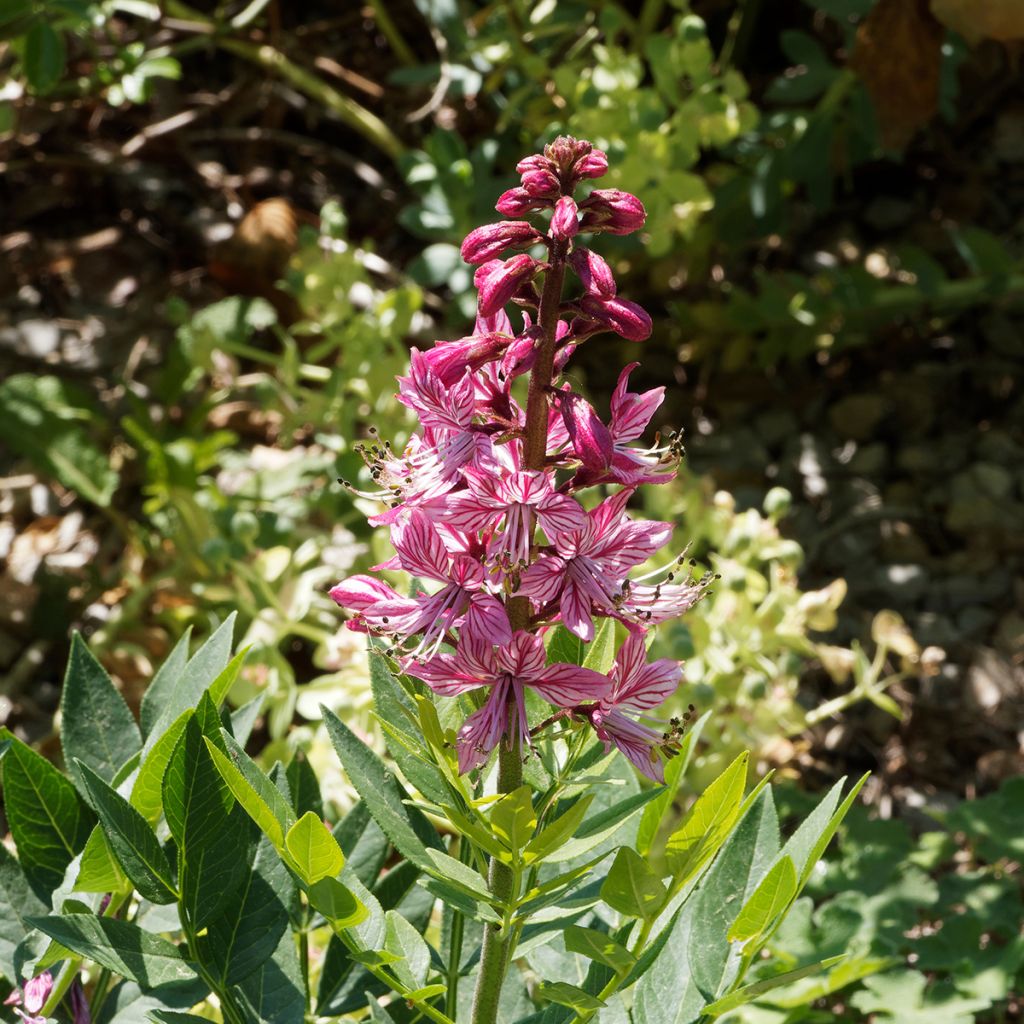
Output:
[[483, 504]]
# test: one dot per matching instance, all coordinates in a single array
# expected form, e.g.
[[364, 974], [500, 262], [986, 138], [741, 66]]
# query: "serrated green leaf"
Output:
[[565, 647], [461, 875], [147, 790], [205, 670], [213, 833], [799, 840], [158, 693], [275, 993], [17, 903], [405, 943], [407, 828], [707, 823], [599, 946], [602, 826], [337, 903], [131, 840], [126, 949], [96, 726], [239, 941], [314, 851], [303, 783], [632, 888], [244, 719], [771, 897], [256, 794], [49, 821]]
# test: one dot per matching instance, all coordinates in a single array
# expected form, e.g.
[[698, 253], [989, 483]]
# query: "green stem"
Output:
[[451, 999]]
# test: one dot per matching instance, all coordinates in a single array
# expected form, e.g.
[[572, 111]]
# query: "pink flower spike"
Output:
[[593, 272], [620, 315], [517, 201], [613, 211], [591, 439], [497, 281], [492, 240], [564, 221]]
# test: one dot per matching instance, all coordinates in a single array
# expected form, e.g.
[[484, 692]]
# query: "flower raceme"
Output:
[[514, 516]]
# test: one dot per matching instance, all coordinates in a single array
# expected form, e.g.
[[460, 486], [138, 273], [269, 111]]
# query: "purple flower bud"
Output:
[[593, 165], [79, 1004], [620, 315], [564, 222], [484, 243], [517, 201], [591, 439], [608, 209], [534, 162], [497, 281], [541, 183], [594, 272]]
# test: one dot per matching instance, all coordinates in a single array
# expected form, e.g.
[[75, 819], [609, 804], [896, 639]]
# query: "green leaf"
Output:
[[602, 826], [303, 783], [562, 829], [600, 654], [336, 901], [657, 809], [407, 828], [275, 994], [158, 693], [176, 1017], [599, 946], [397, 713], [147, 790], [808, 843], [98, 869], [123, 948], [707, 823], [314, 851], [460, 875], [131, 840], [50, 421], [405, 943], [565, 647], [564, 994], [748, 993], [48, 819], [17, 902], [205, 670], [257, 795], [244, 719], [239, 941], [513, 820], [632, 888], [96, 726], [212, 831], [772, 896]]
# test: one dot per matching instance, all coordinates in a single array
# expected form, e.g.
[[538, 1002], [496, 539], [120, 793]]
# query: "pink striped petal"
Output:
[[575, 607], [542, 582], [488, 619], [483, 730], [566, 685], [420, 548], [632, 412], [591, 439], [443, 675], [559, 513], [358, 593], [639, 684], [523, 657]]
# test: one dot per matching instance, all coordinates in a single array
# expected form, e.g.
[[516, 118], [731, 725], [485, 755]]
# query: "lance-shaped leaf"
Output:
[[98, 868], [708, 822], [602, 826], [314, 852], [131, 840], [303, 783], [336, 901], [245, 935], [147, 790], [772, 896], [96, 726], [274, 994], [513, 820], [632, 888], [126, 949], [599, 946], [562, 829], [407, 828], [213, 833], [49, 821], [161, 687], [17, 902]]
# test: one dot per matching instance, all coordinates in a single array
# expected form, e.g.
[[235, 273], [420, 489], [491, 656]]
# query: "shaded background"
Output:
[[224, 225]]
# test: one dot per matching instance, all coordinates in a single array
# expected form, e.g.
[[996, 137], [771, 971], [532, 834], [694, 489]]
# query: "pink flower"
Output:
[[32, 998], [497, 281], [492, 240], [591, 439], [620, 315], [451, 360], [613, 211], [517, 201], [593, 165], [564, 221], [631, 414], [463, 600], [541, 183], [636, 685], [593, 272], [513, 501], [588, 573], [508, 671]]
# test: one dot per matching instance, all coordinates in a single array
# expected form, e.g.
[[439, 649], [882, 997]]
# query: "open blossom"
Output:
[[484, 502], [507, 671], [30, 1000]]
